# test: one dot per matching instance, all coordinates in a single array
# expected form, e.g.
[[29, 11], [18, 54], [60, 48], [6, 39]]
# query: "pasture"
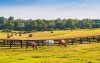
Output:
[[79, 53], [55, 35]]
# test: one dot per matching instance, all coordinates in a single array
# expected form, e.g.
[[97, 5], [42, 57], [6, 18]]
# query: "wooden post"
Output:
[[38, 43], [14, 42], [93, 38], [73, 40], [3, 42], [21, 43], [81, 40], [10, 43], [98, 39], [42, 43], [67, 41], [89, 40]]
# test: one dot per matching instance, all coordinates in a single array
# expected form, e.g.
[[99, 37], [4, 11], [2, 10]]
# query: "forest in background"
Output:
[[47, 25]]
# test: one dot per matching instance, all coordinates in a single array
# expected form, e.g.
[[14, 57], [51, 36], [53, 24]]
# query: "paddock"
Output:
[[79, 40]]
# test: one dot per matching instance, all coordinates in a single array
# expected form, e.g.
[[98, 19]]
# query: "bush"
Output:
[[20, 32], [33, 31], [50, 29], [5, 30], [67, 29]]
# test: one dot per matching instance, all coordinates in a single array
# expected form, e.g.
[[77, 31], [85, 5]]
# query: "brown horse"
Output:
[[62, 42], [31, 43]]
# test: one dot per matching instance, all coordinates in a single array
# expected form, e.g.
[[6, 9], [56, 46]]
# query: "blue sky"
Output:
[[50, 9]]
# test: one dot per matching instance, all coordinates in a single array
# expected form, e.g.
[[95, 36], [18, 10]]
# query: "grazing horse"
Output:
[[31, 43], [48, 42], [62, 42]]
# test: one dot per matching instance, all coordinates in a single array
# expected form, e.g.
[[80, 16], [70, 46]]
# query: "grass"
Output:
[[55, 35], [82, 53]]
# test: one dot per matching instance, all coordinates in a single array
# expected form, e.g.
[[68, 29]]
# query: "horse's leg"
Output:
[[62, 43], [36, 47], [26, 47], [33, 46], [51, 44], [48, 44]]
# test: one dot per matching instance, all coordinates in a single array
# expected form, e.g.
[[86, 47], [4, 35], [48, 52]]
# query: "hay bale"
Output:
[[52, 32], [20, 34], [15, 33], [11, 35], [8, 36], [30, 35]]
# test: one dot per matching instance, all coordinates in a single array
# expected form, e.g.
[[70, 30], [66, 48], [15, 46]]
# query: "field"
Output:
[[55, 34], [80, 53]]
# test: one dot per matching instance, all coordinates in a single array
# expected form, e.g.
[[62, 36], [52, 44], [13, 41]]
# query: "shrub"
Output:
[[5, 30], [67, 29]]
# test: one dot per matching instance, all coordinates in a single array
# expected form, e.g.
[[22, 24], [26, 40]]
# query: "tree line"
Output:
[[41, 25]]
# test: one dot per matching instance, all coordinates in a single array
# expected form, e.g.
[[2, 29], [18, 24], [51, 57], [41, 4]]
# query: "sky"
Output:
[[50, 9]]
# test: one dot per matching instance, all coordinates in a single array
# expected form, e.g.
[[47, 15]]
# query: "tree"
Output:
[[10, 18], [40, 25], [70, 23]]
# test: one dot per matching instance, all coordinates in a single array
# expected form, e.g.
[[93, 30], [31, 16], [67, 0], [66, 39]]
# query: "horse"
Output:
[[48, 42], [62, 42], [31, 43]]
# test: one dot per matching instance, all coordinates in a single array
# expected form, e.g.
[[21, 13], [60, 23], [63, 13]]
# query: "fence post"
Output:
[[21, 43], [81, 40], [73, 40], [10, 43]]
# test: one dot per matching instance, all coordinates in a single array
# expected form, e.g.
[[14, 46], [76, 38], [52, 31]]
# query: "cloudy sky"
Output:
[[50, 9]]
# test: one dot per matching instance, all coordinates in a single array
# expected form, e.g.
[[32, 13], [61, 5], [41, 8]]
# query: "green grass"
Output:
[[81, 53]]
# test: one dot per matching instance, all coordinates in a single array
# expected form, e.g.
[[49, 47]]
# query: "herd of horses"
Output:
[[45, 42], [34, 44]]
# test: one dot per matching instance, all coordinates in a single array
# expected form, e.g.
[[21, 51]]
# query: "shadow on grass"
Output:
[[41, 56], [21, 59]]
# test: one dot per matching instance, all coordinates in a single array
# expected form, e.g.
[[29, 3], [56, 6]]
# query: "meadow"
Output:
[[78, 53], [81, 53], [55, 35]]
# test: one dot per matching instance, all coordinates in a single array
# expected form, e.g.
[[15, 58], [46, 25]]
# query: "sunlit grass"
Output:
[[55, 34], [82, 53]]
